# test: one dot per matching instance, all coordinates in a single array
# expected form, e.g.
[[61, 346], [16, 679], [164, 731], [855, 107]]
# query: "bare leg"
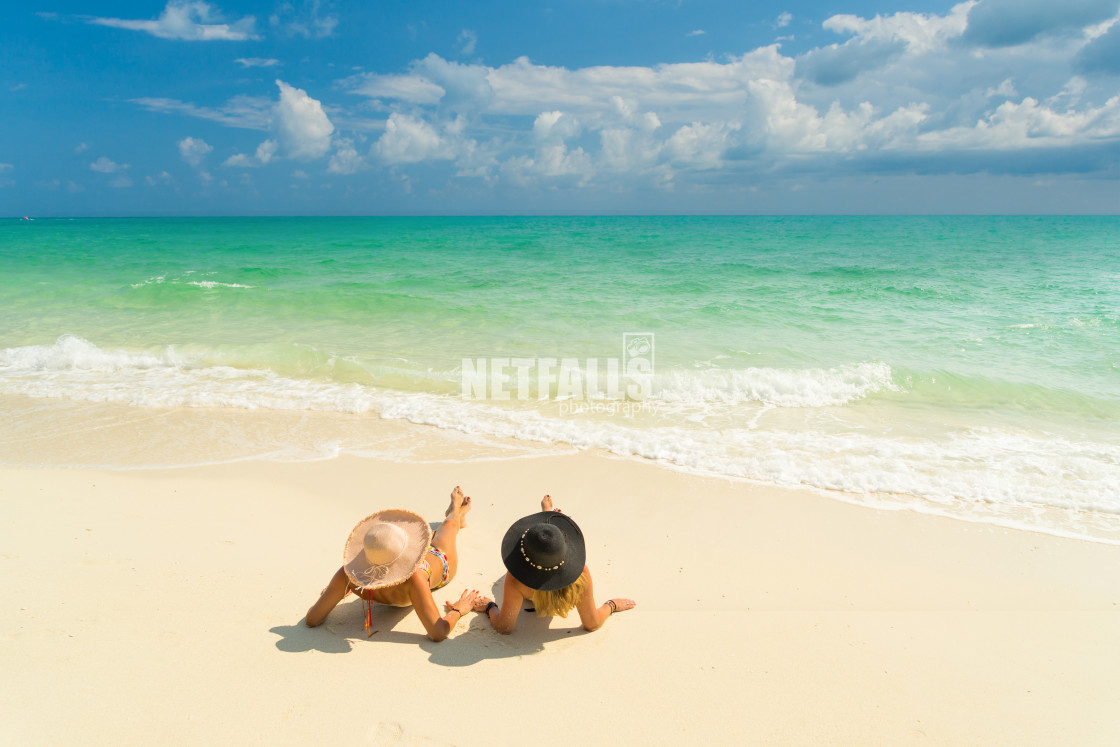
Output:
[[448, 531], [334, 593]]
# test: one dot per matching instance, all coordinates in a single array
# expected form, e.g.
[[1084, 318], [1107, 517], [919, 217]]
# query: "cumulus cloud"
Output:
[[345, 160], [301, 125], [265, 153], [700, 145], [1029, 124], [187, 21], [892, 92], [193, 150], [877, 41], [410, 140], [752, 111]]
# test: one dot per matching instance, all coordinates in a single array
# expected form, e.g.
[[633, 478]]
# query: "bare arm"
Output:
[[504, 618], [593, 617], [438, 627], [334, 593]]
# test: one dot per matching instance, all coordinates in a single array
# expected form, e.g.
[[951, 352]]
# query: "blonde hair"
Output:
[[561, 601]]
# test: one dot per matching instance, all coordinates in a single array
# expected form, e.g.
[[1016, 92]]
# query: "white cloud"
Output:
[[904, 85], [301, 125], [121, 181], [412, 88], [159, 179], [783, 20], [696, 32], [6, 167], [699, 145], [345, 159], [524, 88], [256, 62], [467, 42], [193, 150], [107, 166], [410, 140], [920, 32], [81, 148], [189, 21], [1030, 124], [553, 127], [264, 153], [877, 42], [266, 150], [1006, 89]]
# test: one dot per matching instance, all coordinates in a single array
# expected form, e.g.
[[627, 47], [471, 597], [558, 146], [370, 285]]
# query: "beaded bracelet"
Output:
[[613, 606], [492, 604]]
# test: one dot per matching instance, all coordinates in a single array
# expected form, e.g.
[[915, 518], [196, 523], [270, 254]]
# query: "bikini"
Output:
[[428, 569]]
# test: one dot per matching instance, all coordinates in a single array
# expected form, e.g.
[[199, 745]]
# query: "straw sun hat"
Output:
[[385, 548], [544, 551]]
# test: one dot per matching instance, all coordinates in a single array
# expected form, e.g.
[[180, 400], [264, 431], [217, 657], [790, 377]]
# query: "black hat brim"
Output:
[[567, 574]]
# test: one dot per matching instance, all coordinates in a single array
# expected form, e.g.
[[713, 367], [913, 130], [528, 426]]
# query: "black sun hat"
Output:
[[544, 551]]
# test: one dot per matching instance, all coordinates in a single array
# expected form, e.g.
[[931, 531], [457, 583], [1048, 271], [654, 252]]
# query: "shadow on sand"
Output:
[[343, 631]]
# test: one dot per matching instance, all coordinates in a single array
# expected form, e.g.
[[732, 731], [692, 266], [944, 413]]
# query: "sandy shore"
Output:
[[165, 607]]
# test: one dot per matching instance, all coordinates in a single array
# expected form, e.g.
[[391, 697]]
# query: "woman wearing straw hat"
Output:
[[391, 557], [544, 555]]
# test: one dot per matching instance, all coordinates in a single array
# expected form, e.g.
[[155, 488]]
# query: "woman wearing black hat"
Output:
[[544, 554]]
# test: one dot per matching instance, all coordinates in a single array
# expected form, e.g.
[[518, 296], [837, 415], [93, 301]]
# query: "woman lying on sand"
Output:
[[392, 558], [544, 554]]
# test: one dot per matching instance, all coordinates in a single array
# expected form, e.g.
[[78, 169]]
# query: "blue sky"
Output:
[[591, 106]]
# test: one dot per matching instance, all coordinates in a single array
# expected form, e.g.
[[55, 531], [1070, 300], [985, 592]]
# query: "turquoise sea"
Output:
[[960, 365]]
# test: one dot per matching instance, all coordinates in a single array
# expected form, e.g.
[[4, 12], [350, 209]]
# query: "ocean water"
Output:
[[968, 366]]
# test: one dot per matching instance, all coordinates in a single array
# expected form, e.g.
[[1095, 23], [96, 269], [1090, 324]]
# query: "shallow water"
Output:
[[964, 365]]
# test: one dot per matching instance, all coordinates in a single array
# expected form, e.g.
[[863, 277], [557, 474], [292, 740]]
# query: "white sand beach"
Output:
[[165, 606]]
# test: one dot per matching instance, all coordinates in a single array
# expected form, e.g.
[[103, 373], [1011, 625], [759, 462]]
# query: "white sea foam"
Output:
[[783, 387], [964, 470], [209, 284]]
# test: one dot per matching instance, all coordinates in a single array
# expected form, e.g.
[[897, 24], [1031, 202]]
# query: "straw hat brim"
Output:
[[354, 561], [545, 580]]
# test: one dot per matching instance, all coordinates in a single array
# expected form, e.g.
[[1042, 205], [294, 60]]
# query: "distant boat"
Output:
[[26, 218]]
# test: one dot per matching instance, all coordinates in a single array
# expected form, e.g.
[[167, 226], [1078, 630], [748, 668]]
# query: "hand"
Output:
[[620, 605], [481, 603], [465, 603]]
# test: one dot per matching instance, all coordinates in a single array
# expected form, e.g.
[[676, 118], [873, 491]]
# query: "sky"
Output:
[[499, 107]]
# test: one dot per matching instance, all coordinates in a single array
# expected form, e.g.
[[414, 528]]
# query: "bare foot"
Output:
[[546, 504], [460, 505]]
